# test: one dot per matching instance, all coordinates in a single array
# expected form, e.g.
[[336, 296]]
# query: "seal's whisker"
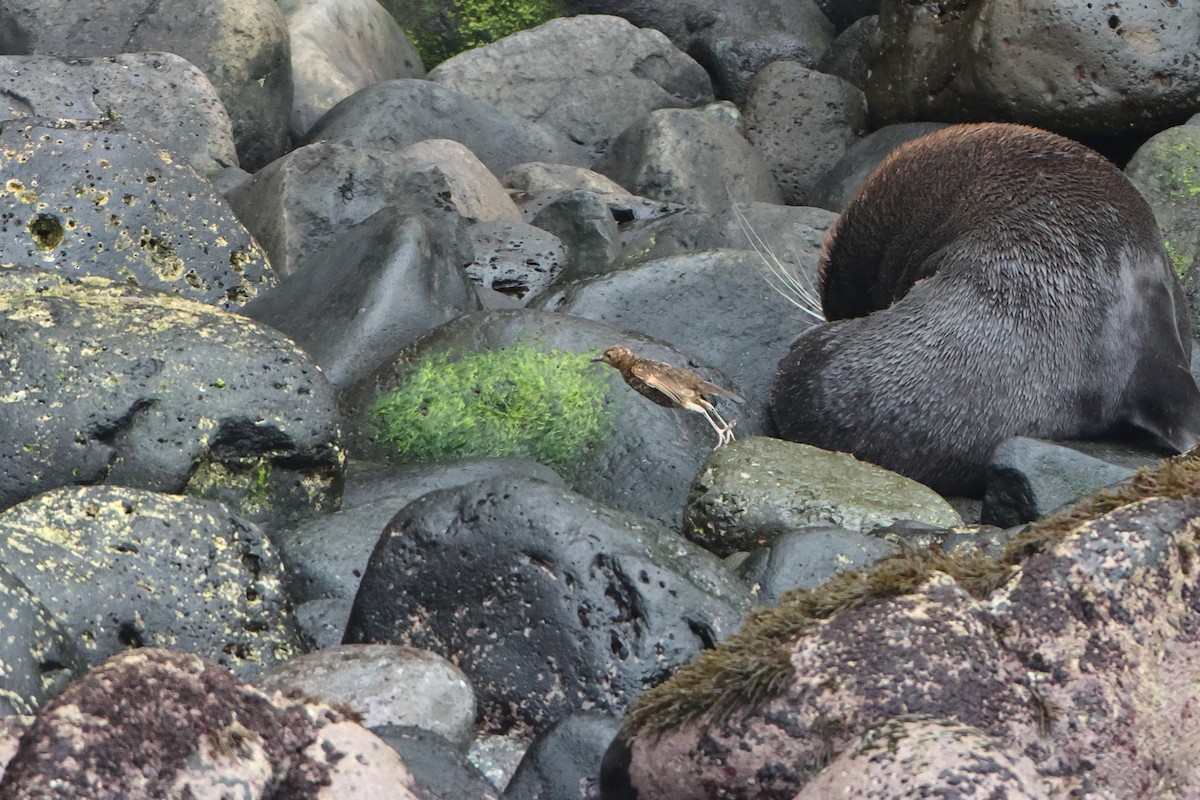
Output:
[[780, 276]]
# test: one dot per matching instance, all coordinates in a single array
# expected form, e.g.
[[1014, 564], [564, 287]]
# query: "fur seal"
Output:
[[987, 281]]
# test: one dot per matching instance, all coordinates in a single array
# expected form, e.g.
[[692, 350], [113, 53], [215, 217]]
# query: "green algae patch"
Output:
[[753, 666], [441, 30], [513, 402]]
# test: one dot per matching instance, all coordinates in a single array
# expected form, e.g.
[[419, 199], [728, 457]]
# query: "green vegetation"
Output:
[[473, 23], [517, 402]]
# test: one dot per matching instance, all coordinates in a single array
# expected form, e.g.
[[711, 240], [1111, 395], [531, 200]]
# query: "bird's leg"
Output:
[[724, 429]]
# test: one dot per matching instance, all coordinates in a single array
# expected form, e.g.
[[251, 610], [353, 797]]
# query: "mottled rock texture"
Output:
[[120, 567], [1071, 655], [155, 723], [97, 199], [105, 383]]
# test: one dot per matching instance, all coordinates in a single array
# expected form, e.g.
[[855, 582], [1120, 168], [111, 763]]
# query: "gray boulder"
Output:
[[686, 156], [303, 202], [369, 292], [588, 77], [325, 556], [153, 391], [531, 593], [338, 48], [241, 45], [717, 303], [136, 568], [39, 657], [96, 199], [391, 115], [1165, 169], [160, 94], [1076, 67], [802, 122], [639, 457]]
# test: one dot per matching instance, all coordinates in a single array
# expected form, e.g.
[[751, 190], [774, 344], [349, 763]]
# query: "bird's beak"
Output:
[[597, 358]]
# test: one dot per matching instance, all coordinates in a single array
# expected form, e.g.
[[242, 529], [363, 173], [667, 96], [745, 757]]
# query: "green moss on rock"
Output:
[[516, 402]]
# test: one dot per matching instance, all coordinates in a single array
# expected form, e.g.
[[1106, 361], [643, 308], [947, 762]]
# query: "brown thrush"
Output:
[[673, 387]]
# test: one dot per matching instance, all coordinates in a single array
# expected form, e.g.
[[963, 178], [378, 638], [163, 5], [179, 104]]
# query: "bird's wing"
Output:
[[712, 388], [658, 377]]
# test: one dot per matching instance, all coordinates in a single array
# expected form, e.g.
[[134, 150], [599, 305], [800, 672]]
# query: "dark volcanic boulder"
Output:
[[241, 45], [37, 657], [563, 73], [303, 202], [1075, 67], [374, 289], [104, 383], [123, 567], [391, 115], [629, 453], [99, 200], [161, 94], [550, 602]]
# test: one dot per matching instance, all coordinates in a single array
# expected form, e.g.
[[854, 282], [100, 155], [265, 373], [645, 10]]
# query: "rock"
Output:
[[849, 57], [384, 685], [535, 177], [241, 45], [755, 489], [633, 454], [838, 184], [1029, 478], [1074, 67], [788, 237], [731, 40], [304, 201], [153, 391], [497, 757], [338, 48], [917, 757], [718, 302], [1057, 653], [394, 114], [121, 567], [439, 770], [37, 657], [325, 556], [735, 60], [584, 223], [1165, 169], [564, 761], [806, 558], [367, 293], [477, 193], [206, 735], [532, 593], [802, 122], [685, 156], [159, 94], [514, 258], [614, 66], [94, 199], [844, 13]]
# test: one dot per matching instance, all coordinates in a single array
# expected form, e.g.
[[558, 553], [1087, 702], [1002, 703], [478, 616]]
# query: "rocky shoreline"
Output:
[[238, 252]]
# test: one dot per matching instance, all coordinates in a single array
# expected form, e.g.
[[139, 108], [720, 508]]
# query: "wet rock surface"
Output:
[[1065, 672]]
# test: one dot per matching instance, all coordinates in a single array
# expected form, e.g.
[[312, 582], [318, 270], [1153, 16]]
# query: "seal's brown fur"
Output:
[[989, 281]]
